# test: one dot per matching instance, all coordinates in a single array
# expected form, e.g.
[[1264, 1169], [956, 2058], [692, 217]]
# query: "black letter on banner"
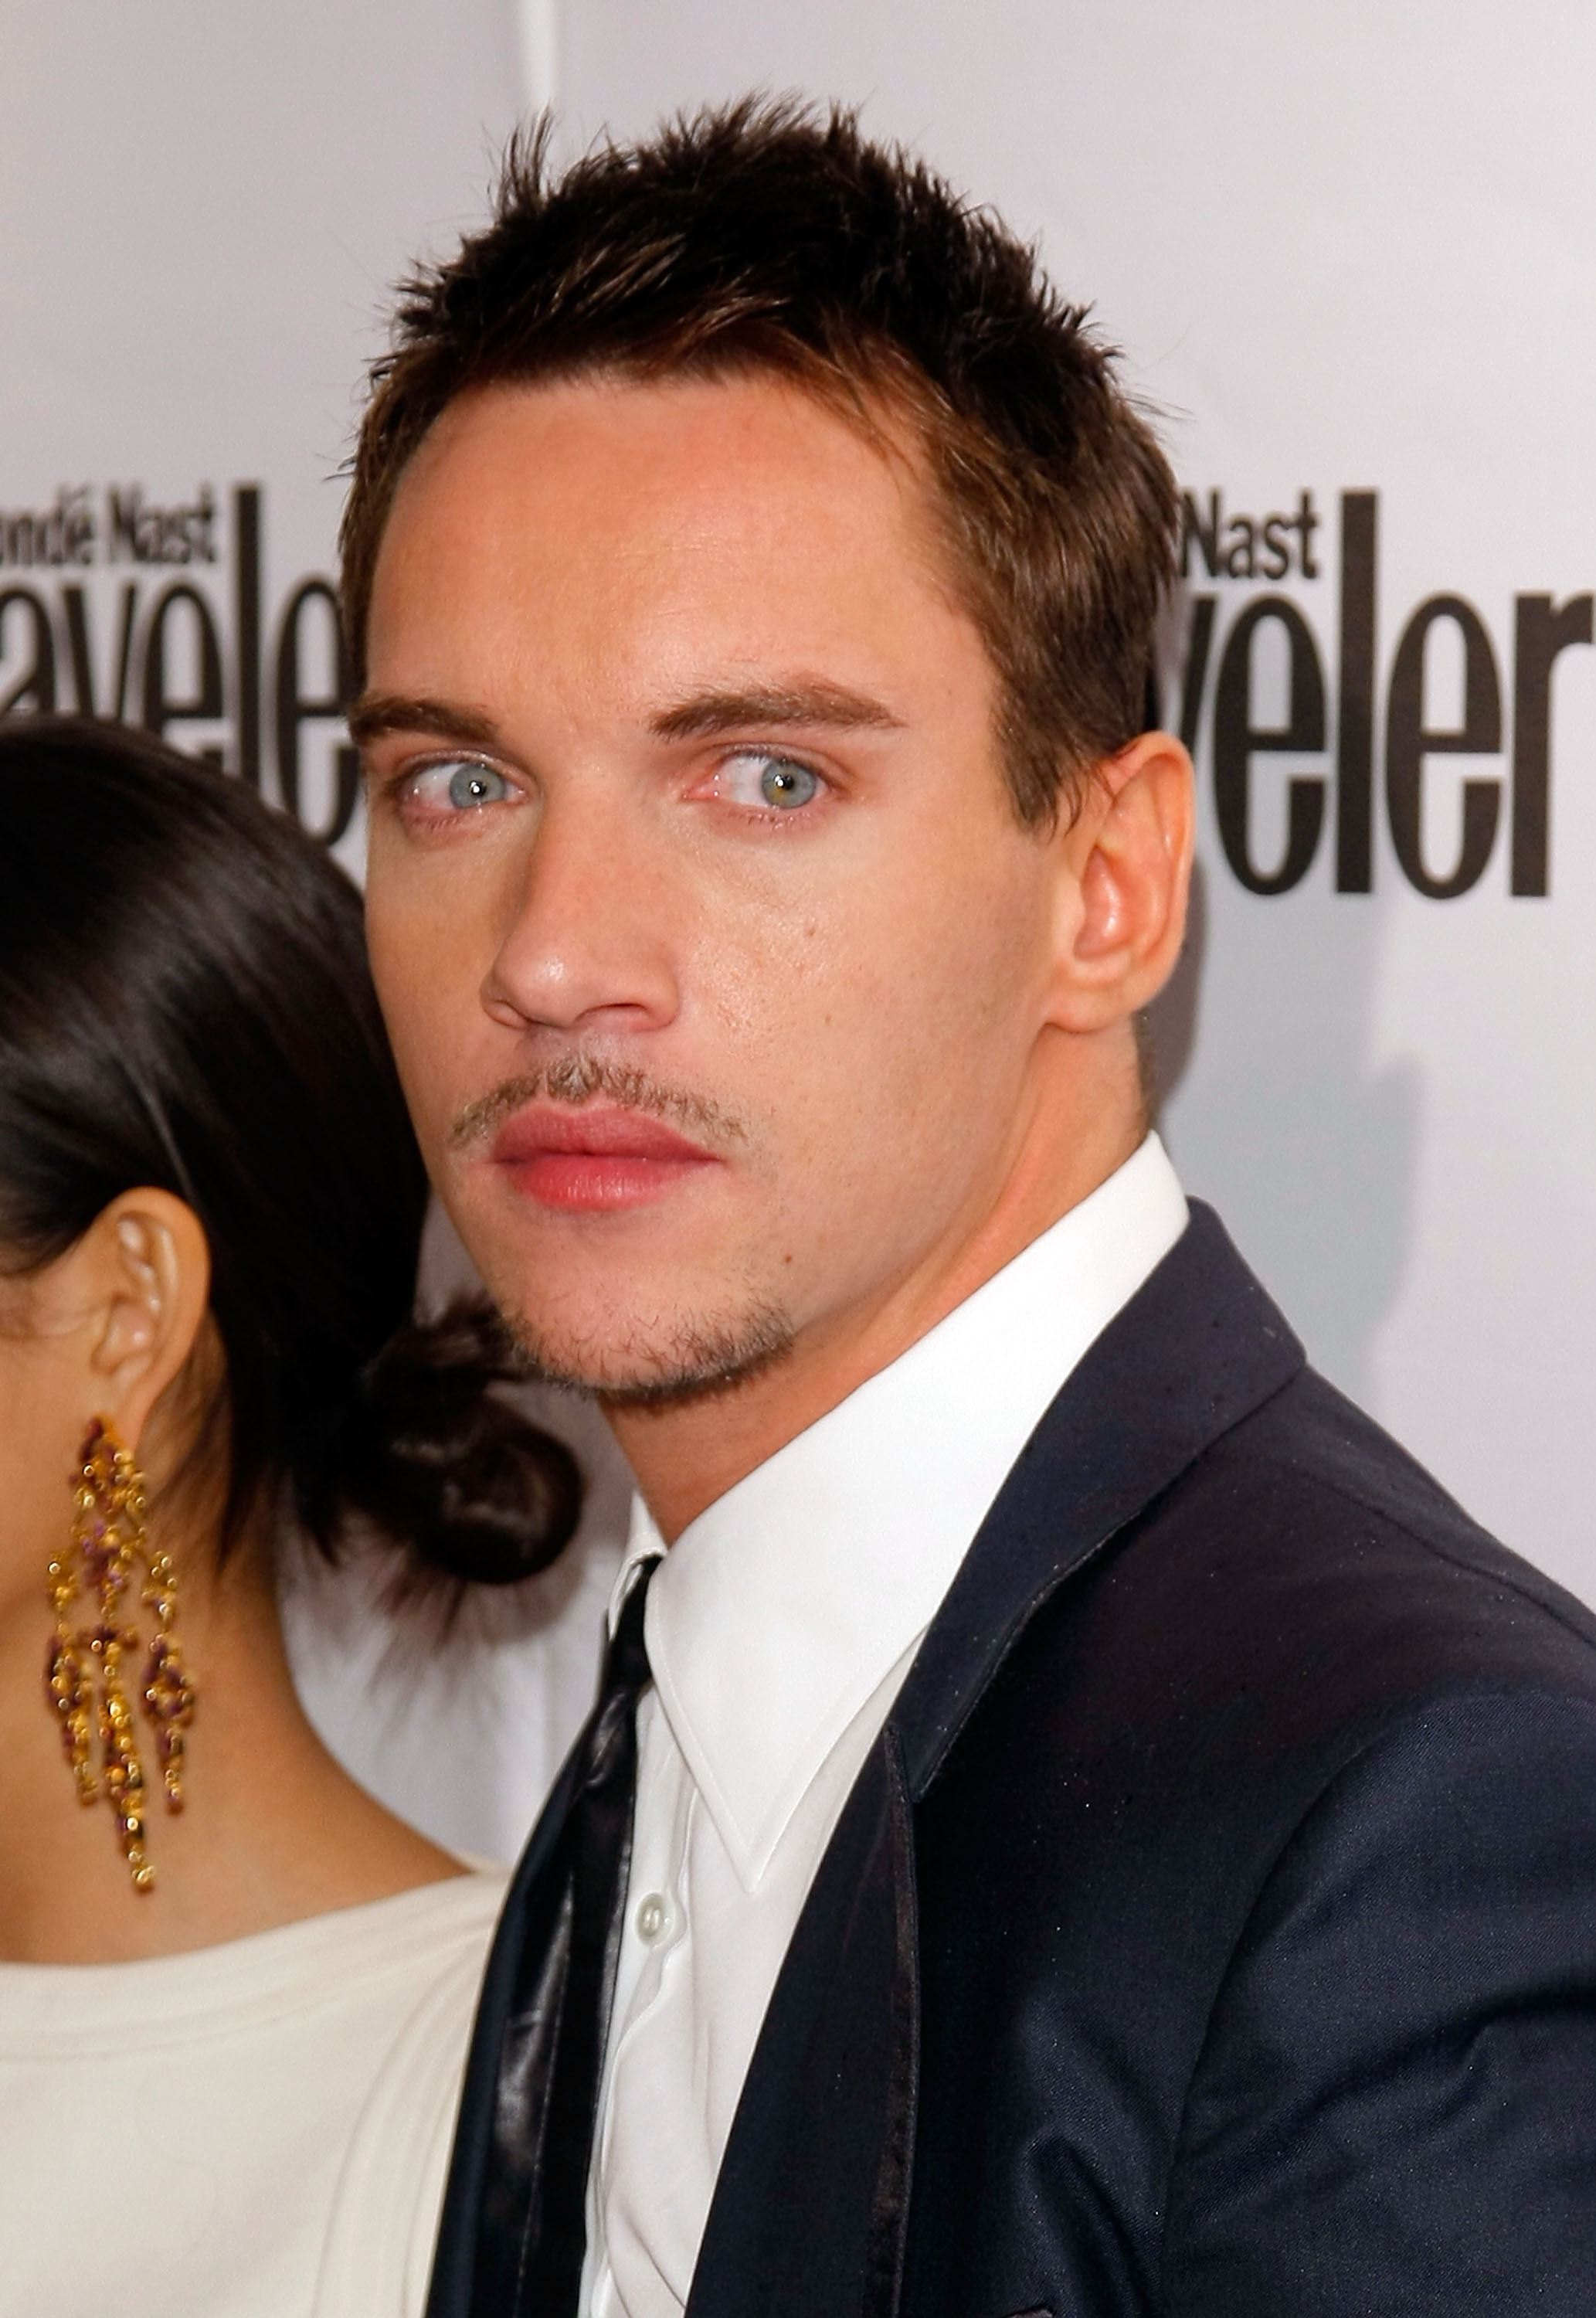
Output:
[[1199, 643], [1236, 740], [1206, 535], [1355, 698], [296, 707], [246, 625], [204, 704], [83, 661], [1408, 741], [1544, 629], [37, 687]]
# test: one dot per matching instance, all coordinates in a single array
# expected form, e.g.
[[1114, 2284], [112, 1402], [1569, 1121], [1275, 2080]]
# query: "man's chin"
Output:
[[639, 1366]]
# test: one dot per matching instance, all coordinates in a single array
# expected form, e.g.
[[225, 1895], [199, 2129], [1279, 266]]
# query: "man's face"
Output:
[[715, 957]]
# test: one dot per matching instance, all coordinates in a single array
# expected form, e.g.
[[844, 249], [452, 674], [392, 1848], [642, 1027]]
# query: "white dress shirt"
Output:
[[779, 1629]]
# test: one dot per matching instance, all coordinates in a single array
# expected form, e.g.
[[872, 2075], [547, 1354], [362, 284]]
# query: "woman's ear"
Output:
[[147, 1258], [1128, 851]]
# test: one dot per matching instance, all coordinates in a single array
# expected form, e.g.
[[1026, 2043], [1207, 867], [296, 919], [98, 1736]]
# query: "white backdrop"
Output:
[[1351, 252]]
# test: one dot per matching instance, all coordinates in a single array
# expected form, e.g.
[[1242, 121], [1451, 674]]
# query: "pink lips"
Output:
[[594, 1159]]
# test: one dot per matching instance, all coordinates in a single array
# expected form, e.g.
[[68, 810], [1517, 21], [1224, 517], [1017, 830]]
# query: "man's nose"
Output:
[[589, 944]]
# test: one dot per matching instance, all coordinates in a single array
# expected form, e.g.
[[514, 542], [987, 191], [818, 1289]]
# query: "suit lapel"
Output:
[[812, 2206], [1196, 1349]]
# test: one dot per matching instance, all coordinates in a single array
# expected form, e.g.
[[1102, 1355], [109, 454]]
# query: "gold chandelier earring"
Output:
[[86, 1678]]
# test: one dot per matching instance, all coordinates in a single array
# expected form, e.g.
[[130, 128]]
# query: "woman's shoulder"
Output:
[[378, 2253], [319, 2066], [414, 1926], [364, 1957]]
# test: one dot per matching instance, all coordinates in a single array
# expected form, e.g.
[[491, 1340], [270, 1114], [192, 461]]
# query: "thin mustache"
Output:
[[576, 1079]]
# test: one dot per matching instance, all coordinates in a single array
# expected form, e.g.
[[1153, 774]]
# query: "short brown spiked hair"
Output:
[[766, 236]]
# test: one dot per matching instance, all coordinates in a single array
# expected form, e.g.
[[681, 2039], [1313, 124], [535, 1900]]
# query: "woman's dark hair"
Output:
[[184, 1002]]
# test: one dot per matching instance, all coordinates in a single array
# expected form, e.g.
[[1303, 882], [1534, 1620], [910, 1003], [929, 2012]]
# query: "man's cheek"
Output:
[[429, 1064]]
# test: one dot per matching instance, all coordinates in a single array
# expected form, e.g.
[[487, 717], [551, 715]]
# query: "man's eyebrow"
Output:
[[818, 704], [377, 713]]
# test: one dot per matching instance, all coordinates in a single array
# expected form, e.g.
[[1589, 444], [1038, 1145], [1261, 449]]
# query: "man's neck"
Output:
[[687, 1453]]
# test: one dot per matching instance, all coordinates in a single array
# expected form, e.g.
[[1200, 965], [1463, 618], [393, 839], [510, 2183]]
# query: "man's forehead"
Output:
[[663, 483], [710, 572], [719, 429]]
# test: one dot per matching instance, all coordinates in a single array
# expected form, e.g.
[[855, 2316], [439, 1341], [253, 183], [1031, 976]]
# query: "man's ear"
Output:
[[1125, 867], [146, 1261]]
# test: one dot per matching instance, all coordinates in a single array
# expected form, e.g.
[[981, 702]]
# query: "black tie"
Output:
[[583, 1896]]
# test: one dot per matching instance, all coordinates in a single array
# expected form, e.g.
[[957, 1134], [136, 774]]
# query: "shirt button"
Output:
[[651, 1916]]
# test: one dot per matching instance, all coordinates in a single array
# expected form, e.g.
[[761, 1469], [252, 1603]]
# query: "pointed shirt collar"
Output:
[[783, 1607]]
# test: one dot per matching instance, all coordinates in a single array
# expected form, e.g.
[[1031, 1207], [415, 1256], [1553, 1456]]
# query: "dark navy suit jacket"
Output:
[[1213, 1930]]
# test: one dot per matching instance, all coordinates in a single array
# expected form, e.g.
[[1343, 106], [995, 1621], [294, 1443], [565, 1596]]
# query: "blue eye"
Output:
[[754, 777], [452, 789], [785, 784], [474, 785]]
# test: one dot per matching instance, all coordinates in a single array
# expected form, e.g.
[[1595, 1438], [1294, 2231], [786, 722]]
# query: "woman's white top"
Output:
[[259, 2130]]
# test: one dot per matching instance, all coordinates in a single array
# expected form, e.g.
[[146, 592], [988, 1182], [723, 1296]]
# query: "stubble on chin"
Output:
[[694, 1359]]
